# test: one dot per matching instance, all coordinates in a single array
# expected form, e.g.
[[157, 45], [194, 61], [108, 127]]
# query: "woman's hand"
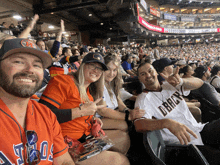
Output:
[[90, 108]]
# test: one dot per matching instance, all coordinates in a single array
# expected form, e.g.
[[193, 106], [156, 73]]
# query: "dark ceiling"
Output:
[[103, 18], [99, 17]]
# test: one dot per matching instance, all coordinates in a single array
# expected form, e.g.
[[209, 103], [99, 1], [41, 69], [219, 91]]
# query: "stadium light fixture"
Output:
[[51, 27], [18, 17]]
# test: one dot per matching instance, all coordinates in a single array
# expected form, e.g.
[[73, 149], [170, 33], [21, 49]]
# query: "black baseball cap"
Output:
[[160, 64], [22, 45], [95, 57]]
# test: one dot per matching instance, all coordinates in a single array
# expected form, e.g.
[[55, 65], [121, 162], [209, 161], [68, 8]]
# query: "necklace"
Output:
[[161, 99], [153, 92]]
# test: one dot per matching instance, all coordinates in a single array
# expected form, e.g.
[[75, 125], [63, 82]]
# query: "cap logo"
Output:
[[97, 57], [28, 43]]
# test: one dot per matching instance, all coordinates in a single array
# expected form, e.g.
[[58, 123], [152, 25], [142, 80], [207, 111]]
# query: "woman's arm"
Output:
[[63, 115], [121, 105]]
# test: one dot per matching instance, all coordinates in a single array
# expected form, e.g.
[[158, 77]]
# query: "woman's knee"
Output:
[[120, 139]]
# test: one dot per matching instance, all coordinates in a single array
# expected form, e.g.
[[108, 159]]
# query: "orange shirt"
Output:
[[57, 68], [62, 92], [40, 119]]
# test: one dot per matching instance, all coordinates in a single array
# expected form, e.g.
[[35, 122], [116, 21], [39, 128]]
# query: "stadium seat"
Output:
[[171, 154]]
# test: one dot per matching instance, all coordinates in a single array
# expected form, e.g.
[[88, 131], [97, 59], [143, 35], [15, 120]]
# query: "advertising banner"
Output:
[[154, 12], [188, 19], [188, 31], [169, 17], [143, 4], [150, 26]]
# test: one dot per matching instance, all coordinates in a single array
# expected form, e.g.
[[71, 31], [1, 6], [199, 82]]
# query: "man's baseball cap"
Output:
[[95, 57], [22, 45], [181, 62], [160, 64], [200, 71]]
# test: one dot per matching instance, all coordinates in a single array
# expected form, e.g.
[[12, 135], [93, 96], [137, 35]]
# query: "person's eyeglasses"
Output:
[[32, 154], [93, 67]]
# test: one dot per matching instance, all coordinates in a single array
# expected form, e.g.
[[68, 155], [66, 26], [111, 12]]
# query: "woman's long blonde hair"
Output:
[[116, 83], [96, 88]]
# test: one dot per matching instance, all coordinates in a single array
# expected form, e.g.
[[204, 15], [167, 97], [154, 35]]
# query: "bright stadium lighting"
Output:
[[18, 17], [51, 27]]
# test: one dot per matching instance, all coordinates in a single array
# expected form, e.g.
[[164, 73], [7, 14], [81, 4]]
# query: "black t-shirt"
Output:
[[208, 92]]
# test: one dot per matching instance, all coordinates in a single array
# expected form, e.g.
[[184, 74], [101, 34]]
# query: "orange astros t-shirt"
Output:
[[39, 118], [62, 92]]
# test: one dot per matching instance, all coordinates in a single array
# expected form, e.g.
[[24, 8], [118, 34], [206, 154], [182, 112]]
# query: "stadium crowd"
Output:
[[114, 90]]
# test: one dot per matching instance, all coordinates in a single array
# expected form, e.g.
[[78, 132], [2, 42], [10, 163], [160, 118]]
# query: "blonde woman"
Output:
[[71, 97], [116, 113]]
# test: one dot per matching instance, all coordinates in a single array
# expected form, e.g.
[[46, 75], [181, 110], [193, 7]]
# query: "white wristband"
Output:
[[181, 82]]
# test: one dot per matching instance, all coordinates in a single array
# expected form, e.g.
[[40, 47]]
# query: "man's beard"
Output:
[[23, 91]]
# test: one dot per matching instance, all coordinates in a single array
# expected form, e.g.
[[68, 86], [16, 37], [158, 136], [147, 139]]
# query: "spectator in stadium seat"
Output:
[[171, 114], [127, 65], [41, 44], [141, 52], [32, 124], [62, 66], [83, 51], [114, 116], [14, 30], [91, 49], [187, 71], [156, 53], [193, 65], [181, 63], [165, 66], [75, 52], [4, 28], [215, 77], [206, 91], [71, 97], [53, 52], [67, 51]]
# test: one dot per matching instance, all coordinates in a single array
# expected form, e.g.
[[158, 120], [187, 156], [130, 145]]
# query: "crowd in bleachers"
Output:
[[102, 81]]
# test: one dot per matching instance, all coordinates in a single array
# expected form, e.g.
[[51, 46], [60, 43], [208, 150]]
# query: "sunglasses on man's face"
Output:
[[32, 154]]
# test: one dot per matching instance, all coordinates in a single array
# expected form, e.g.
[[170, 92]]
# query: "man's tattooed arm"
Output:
[[192, 83]]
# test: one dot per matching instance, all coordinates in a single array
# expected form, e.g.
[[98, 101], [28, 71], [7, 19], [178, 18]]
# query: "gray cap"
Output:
[[22, 45]]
